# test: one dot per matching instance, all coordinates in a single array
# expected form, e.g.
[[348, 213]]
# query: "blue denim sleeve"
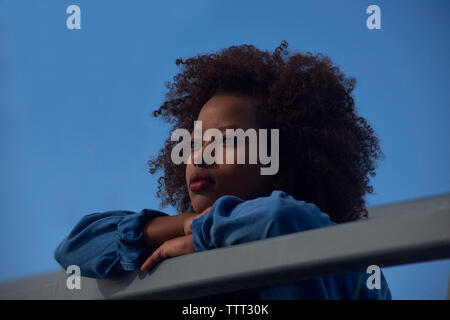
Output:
[[232, 220], [106, 244]]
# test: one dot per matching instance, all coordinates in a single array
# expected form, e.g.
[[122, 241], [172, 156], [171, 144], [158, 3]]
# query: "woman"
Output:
[[325, 154]]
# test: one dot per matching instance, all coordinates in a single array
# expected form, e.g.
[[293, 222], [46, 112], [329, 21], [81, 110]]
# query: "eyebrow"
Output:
[[222, 128], [228, 127]]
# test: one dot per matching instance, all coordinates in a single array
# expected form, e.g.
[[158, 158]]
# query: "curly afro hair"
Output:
[[326, 149]]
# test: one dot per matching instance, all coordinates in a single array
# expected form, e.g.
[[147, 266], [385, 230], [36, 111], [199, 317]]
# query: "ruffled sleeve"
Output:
[[106, 244], [232, 220]]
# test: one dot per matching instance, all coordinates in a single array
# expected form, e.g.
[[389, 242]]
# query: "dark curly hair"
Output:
[[326, 149]]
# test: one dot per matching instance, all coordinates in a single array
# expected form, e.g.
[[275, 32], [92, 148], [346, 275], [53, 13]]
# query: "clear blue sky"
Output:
[[75, 125]]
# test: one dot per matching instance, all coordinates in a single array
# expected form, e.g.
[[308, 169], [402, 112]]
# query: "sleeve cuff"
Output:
[[197, 233], [131, 249]]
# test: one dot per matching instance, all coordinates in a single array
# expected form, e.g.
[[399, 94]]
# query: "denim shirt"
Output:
[[109, 243]]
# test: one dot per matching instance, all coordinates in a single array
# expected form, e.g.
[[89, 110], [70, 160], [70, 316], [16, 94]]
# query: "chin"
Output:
[[200, 202]]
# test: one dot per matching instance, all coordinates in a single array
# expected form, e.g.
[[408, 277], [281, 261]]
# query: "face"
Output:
[[241, 180]]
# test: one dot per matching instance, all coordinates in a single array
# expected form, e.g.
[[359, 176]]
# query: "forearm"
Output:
[[160, 229], [104, 244]]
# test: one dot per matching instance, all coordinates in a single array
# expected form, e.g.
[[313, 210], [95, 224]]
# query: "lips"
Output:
[[200, 181]]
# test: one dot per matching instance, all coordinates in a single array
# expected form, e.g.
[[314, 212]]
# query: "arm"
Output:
[[163, 228], [108, 243], [232, 220], [176, 245]]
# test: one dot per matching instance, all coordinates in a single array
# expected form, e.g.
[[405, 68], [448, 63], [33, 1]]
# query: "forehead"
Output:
[[228, 110]]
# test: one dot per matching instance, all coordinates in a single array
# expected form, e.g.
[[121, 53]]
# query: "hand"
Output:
[[160, 229], [187, 223], [171, 248]]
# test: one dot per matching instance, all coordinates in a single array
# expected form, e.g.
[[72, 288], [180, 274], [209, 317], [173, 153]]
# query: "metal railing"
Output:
[[395, 234]]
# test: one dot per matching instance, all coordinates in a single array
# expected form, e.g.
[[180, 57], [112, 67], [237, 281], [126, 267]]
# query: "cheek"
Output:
[[239, 176]]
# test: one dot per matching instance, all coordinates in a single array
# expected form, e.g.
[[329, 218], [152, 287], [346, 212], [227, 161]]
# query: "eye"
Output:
[[231, 140]]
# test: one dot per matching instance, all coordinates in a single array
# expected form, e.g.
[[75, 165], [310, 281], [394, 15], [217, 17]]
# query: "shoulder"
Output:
[[279, 209], [299, 215]]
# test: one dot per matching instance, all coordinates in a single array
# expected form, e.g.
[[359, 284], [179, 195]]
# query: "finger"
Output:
[[171, 248], [148, 264], [152, 260]]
